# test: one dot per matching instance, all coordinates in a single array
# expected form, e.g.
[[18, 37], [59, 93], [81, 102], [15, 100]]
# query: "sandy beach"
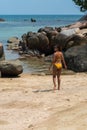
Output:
[[29, 103]]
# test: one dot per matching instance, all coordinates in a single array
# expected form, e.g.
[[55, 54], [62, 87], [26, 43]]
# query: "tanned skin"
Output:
[[57, 58]]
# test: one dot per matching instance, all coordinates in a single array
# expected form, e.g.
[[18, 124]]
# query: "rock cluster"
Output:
[[9, 68], [69, 38]]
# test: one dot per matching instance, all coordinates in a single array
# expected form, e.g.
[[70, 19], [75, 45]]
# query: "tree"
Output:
[[82, 4]]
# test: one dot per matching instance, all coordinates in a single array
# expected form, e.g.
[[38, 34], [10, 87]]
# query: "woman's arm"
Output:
[[53, 61], [63, 60]]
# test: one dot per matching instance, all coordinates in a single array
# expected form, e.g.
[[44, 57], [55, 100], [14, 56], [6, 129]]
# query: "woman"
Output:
[[58, 59]]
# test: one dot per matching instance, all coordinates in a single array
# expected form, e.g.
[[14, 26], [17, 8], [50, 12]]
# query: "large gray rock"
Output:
[[43, 43], [11, 68], [75, 40], [2, 55], [33, 42], [36, 42], [69, 32], [59, 40], [46, 29], [76, 58], [13, 40], [49, 31], [13, 43]]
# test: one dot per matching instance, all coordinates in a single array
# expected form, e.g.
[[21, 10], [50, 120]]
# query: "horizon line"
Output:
[[42, 14]]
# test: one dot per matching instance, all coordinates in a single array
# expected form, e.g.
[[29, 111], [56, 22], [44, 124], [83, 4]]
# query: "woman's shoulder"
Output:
[[59, 53]]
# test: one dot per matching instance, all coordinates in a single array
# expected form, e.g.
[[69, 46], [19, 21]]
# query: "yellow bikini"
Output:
[[58, 65]]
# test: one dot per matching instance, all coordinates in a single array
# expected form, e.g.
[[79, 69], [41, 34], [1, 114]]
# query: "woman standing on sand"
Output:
[[58, 59]]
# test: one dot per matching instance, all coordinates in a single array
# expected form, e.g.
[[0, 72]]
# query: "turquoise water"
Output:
[[16, 25]]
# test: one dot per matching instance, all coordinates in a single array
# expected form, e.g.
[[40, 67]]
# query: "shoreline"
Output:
[[57, 23], [31, 98], [27, 102]]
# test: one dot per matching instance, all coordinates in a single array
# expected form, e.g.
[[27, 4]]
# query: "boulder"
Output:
[[49, 31], [11, 68], [33, 42], [70, 32], [24, 36], [43, 46], [46, 29], [13, 40], [79, 24], [13, 43], [76, 58], [2, 55], [33, 20], [37, 42], [74, 40], [2, 20], [59, 40]]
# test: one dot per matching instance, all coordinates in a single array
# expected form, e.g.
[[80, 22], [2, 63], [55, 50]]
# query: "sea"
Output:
[[17, 25]]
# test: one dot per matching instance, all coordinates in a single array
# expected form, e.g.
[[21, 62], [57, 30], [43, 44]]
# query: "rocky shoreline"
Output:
[[72, 39], [9, 67]]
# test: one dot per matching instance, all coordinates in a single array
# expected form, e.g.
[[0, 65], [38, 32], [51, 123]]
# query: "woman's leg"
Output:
[[58, 78], [54, 81], [54, 77]]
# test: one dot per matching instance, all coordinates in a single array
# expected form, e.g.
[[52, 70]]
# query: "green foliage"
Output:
[[82, 4]]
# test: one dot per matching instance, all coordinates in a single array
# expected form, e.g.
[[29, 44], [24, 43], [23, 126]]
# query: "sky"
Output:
[[38, 7]]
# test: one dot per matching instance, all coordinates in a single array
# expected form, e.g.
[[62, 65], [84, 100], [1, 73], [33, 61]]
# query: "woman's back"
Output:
[[57, 56]]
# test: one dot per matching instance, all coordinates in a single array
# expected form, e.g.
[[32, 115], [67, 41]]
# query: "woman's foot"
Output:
[[54, 88], [58, 88]]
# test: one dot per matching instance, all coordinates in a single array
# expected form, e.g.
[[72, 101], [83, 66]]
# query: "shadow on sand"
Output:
[[45, 90]]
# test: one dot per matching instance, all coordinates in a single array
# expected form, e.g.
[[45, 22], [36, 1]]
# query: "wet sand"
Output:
[[29, 103]]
